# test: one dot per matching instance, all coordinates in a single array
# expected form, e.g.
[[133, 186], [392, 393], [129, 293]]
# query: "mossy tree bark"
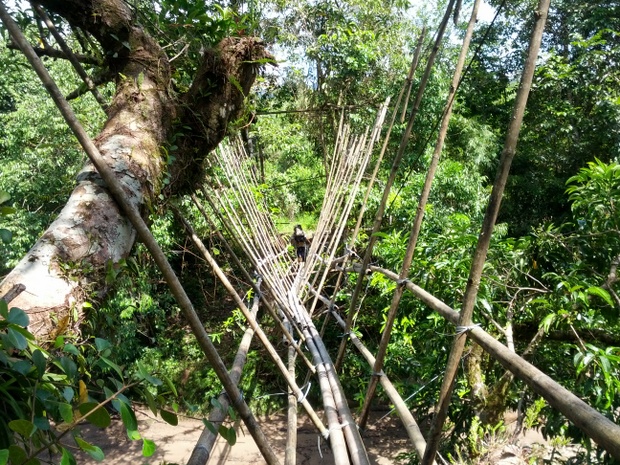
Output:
[[66, 267]]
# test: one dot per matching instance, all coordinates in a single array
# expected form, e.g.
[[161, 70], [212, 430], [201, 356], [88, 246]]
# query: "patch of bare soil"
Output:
[[385, 440]]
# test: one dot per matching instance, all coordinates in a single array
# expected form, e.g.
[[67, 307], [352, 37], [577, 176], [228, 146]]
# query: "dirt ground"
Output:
[[385, 440]]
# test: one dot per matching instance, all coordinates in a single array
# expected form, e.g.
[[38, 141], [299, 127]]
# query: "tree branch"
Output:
[[49, 51]]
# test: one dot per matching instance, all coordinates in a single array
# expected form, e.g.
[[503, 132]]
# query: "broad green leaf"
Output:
[[144, 374], [5, 235], [16, 339], [23, 367], [216, 403], [113, 365], [4, 456], [68, 393], [23, 427], [42, 423], [68, 366], [4, 196], [19, 317], [229, 434], [39, 361], [71, 349], [148, 447], [171, 386], [66, 412], [169, 417], [17, 454], [102, 344], [4, 309], [99, 418], [210, 426], [602, 293], [232, 436], [67, 457], [129, 420], [94, 451]]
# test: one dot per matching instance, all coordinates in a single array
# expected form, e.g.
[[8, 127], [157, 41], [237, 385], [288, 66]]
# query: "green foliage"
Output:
[[46, 392]]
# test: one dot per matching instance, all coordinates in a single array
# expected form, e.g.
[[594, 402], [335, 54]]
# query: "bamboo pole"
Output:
[[473, 282], [593, 424], [336, 436], [409, 80], [415, 231], [401, 408], [290, 455], [117, 192], [320, 355], [411, 426], [202, 449], [396, 163]]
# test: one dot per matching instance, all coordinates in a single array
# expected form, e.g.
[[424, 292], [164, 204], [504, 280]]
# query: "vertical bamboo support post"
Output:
[[396, 163], [204, 446], [290, 455], [473, 282], [415, 231], [145, 235]]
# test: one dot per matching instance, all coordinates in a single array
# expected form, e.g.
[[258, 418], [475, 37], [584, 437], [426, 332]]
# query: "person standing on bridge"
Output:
[[300, 242]]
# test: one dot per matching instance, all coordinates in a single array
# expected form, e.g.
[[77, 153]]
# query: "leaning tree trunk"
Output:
[[67, 265]]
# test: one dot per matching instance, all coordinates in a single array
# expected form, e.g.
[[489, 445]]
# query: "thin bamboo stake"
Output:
[[414, 65], [396, 163], [593, 424], [145, 235], [290, 455], [415, 231], [473, 282], [360, 217], [202, 449]]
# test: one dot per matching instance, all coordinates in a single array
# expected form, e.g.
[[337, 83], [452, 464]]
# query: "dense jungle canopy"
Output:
[[159, 84]]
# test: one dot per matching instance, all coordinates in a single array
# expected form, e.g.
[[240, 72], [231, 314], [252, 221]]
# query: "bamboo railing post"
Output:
[[409, 80], [117, 192], [396, 163], [247, 276], [290, 455], [473, 282], [202, 449], [415, 231], [371, 182]]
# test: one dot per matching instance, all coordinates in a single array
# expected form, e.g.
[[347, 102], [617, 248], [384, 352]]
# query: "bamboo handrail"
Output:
[[396, 165], [593, 424], [251, 322]]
